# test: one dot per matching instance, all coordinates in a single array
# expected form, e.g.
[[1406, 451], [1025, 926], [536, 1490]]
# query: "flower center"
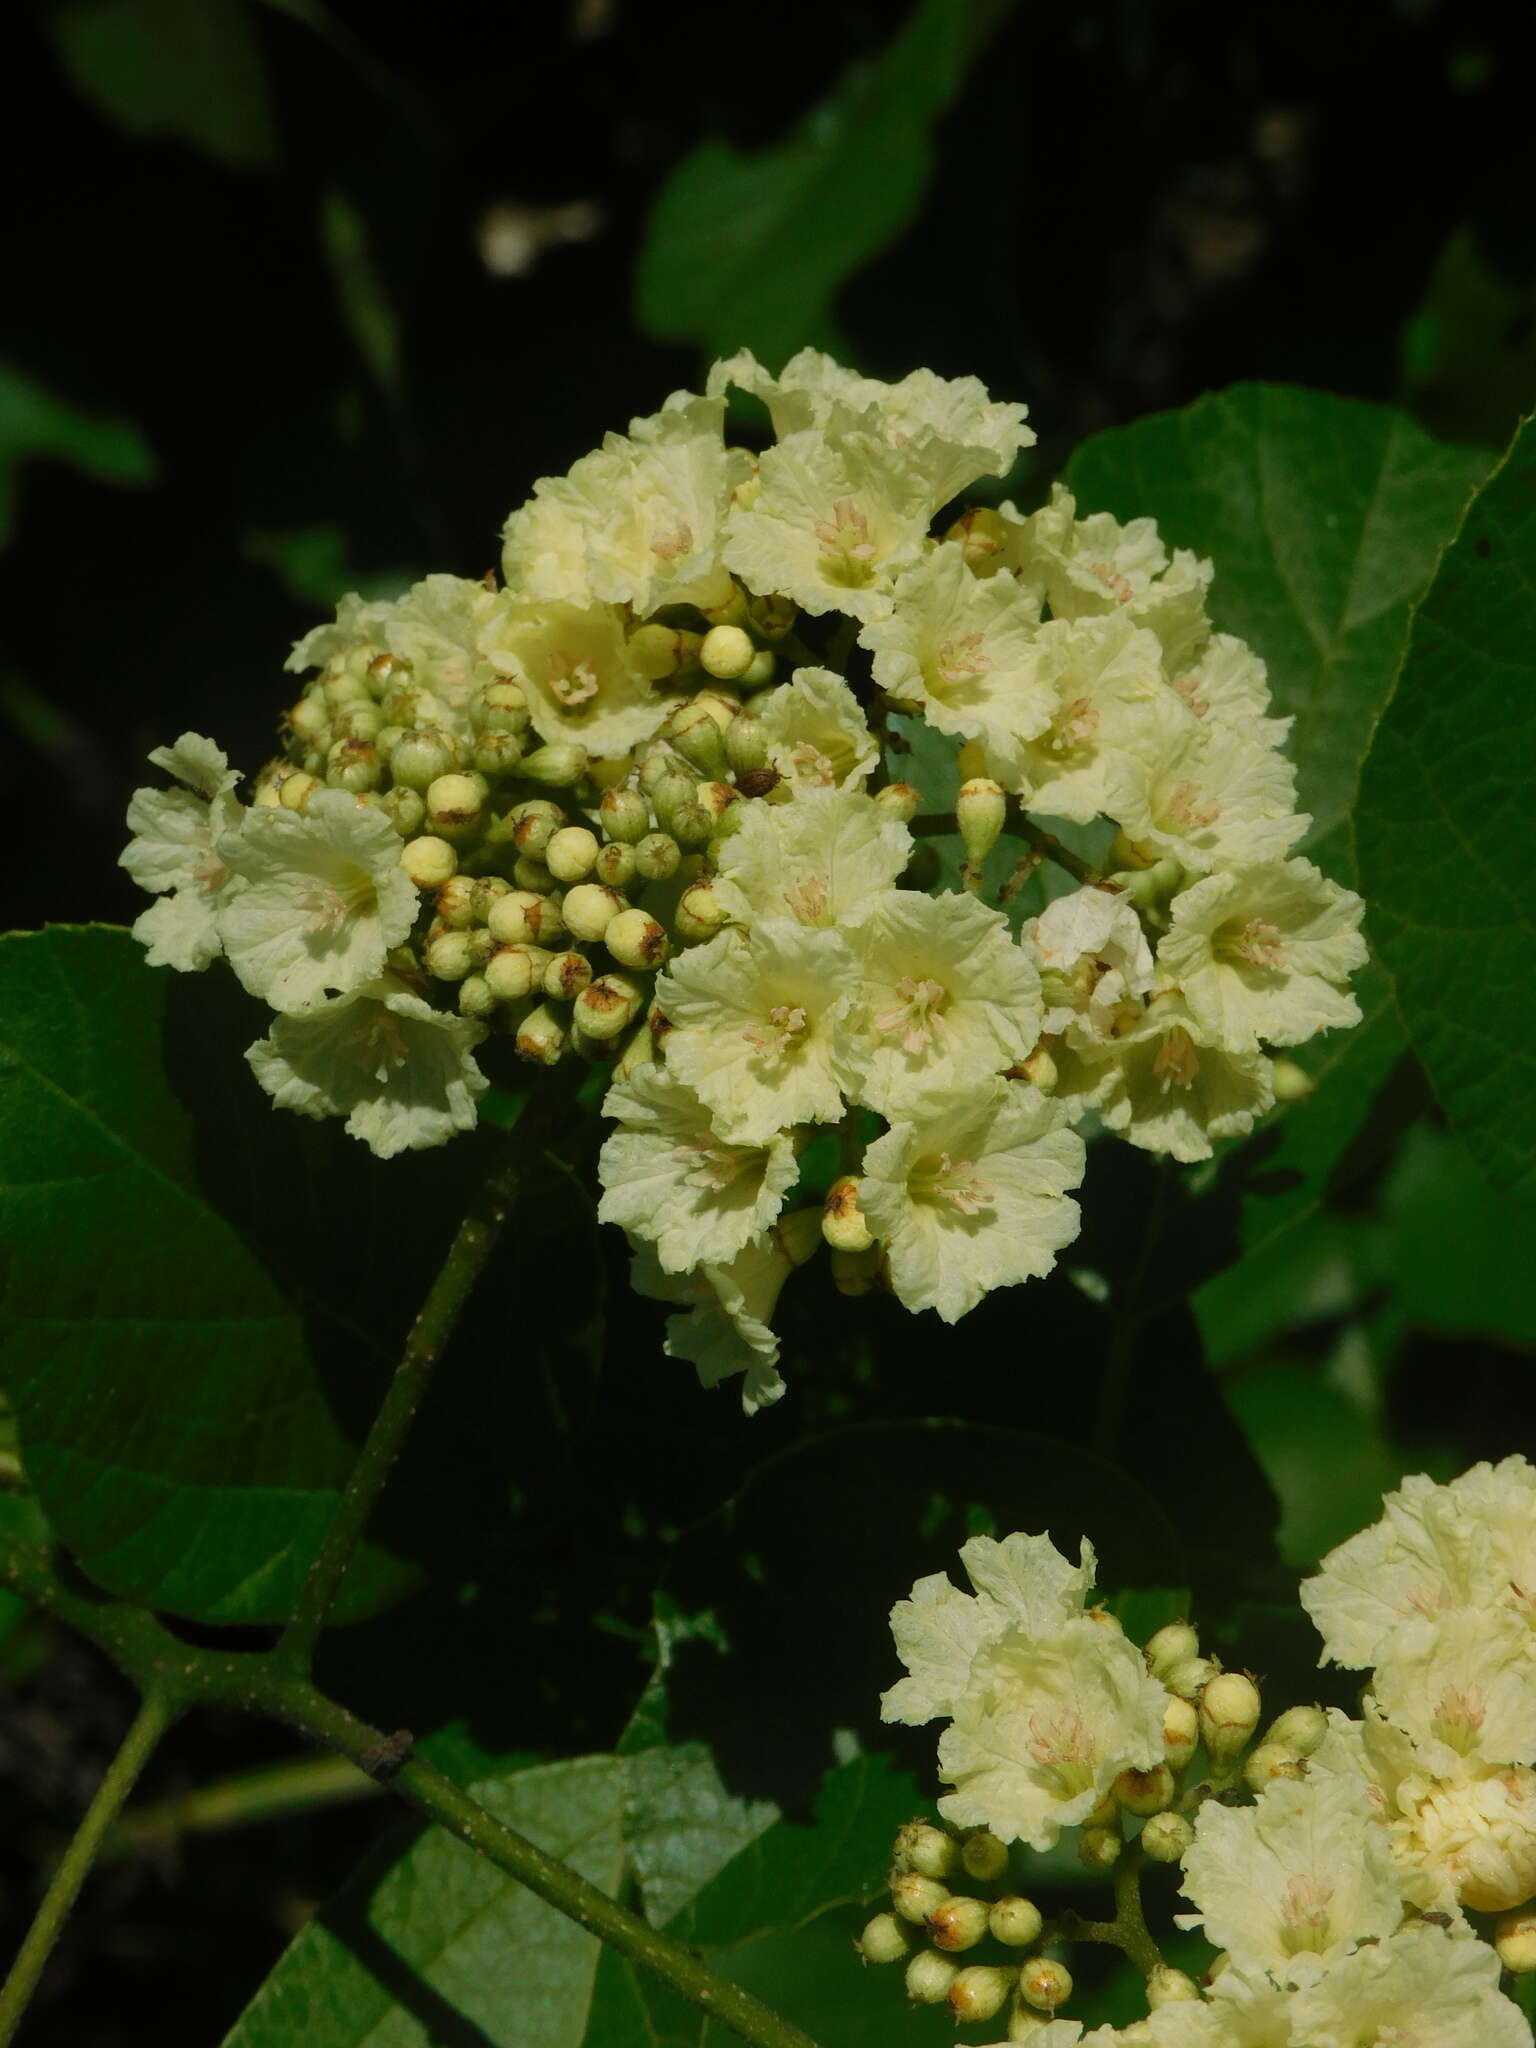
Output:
[[809, 764], [960, 660], [1189, 690], [709, 1163], [1075, 725], [380, 1044], [1187, 809], [1305, 1919], [669, 543], [847, 551], [1177, 1064], [807, 900], [1063, 1747], [915, 1013], [1258, 944], [572, 679], [329, 905], [1459, 1716], [952, 1182], [1118, 586], [777, 1036]]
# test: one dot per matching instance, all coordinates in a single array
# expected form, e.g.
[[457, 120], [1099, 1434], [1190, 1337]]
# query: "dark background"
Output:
[[1132, 204]]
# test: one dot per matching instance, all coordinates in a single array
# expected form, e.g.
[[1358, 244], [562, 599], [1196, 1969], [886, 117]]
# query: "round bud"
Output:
[[656, 761], [386, 672], [615, 867], [406, 809], [589, 909], [454, 804], [488, 889], [531, 875], [885, 1939], [608, 1006], [1181, 1732], [624, 815], [727, 652], [541, 1037], [1144, 1792], [497, 755], [498, 707], [899, 800], [980, 809], [653, 651], [557, 766], [1167, 1986], [513, 972], [983, 1855], [657, 857], [532, 825], [982, 533], [1290, 1081], [295, 790], [914, 1897], [699, 914], [721, 802], [421, 758], [771, 616], [475, 997], [1229, 1713], [672, 793], [695, 735], [957, 1923], [1045, 1984], [1105, 1813], [571, 853], [1099, 1848], [428, 861], [342, 689], [842, 1220], [1190, 1676], [1015, 1922], [1514, 1936], [1170, 1646], [308, 720], [450, 956], [456, 902], [519, 918], [1272, 1760], [724, 602], [929, 1976], [566, 976], [635, 939], [1166, 1836], [980, 1991], [761, 669], [929, 1850], [1303, 1728], [746, 742], [361, 722], [691, 825]]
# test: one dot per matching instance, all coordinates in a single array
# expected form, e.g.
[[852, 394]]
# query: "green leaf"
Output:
[[1325, 518], [748, 248], [1459, 1253], [36, 425], [682, 1825], [1323, 1455], [1445, 832], [187, 68], [431, 1945], [201, 1297]]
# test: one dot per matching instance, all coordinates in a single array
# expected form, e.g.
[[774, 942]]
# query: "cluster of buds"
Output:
[[643, 801], [1332, 1861]]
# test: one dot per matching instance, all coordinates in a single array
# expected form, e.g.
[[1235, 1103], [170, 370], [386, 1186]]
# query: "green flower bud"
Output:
[[1191, 1675], [1170, 1646], [541, 1037], [980, 1992], [760, 670], [456, 903], [899, 800], [360, 722], [1045, 1984], [309, 721], [1272, 1760], [1303, 1728], [353, 765], [746, 742], [730, 606], [654, 651], [1015, 1922], [929, 1976], [513, 972], [558, 766], [341, 690], [699, 914], [957, 1923], [589, 909], [450, 956], [980, 809], [1167, 1986], [914, 1897], [635, 939], [1144, 1792], [1229, 1713], [655, 760], [1099, 1848], [454, 805], [488, 889], [566, 976], [844, 1227], [983, 534], [1166, 1836], [885, 1939], [519, 918], [531, 874], [428, 861], [671, 794], [498, 707], [476, 998], [1514, 1936], [533, 824], [695, 734], [771, 616], [1181, 1732], [571, 853], [983, 1855], [615, 867], [386, 672], [406, 810], [624, 815], [657, 858], [608, 1006], [721, 802], [691, 825], [727, 652], [929, 1850], [1039, 1069], [295, 790], [497, 755], [421, 758]]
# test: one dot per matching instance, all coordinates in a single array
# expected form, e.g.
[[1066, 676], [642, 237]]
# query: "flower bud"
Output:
[[557, 766], [771, 616], [980, 1992], [1272, 1760], [534, 824], [856, 1273], [746, 742], [635, 939], [1015, 1922], [454, 804], [615, 866], [476, 997], [608, 1006], [929, 1976], [1039, 1069], [1229, 1713], [1166, 1836], [671, 793], [722, 804], [421, 758], [624, 815], [842, 1220], [428, 861], [1290, 1081], [913, 1896], [541, 1037], [498, 707], [296, 789], [1169, 1646], [1144, 1792], [488, 889], [589, 909], [926, 1849], [1181, 1732], [727, 652], [566, 975], [691, 825], [885, 1939], [1302, 1728], [653, 651], [1191, 1675], [406, 809], [1515, 1939], [760, 670], [571, 853], [342, 689], [899, 800], [309, 721], [699, 914], [1167, 1986], [1045, 1984], [362, 722], [354, 765], [513, 972], [497, 755], [385, 672], [532, 876], [982, 533], [450, 956], [456, 902], [957, 1923], [657, 858], [695, 734], [519, 918], [980, 809], [983, 1855], [1099, 1848]]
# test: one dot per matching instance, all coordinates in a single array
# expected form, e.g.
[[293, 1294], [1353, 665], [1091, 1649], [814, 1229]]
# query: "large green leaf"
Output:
[[201, 1297], [36, 424], [1445, 831], [748, 248], [188, 68]]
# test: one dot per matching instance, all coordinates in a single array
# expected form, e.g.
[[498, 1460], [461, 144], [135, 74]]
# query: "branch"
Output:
[[936, 824]]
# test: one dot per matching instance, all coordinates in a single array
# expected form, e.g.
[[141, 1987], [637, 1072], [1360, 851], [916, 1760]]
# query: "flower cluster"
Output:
[[640, 802], [1332, 1863]]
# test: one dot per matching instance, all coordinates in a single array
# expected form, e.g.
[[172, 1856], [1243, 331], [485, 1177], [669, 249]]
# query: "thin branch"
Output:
[[1045, 845]]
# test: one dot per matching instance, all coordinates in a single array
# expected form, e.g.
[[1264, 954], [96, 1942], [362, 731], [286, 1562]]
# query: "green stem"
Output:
[[1128, 1931], [302, 1785], [430, 1333], [936, 824], [150, 1723]]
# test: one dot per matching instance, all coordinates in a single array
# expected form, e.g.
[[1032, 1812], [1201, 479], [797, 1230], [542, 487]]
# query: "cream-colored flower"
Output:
[[346, 644], [965, 653], [669, 1176], [727, 1328], [1211, 796], [755, 1027], [1165, 1086], [974, 1196], [1296, 1880], [174, 852], [946, 1000], [321, 899], [1420, 1988], [1112, 708], [574, 665], [1242, 2009], [1045, 1726], [823, 859], [400, 1072], [436, 626], [817, 736], [1462, 1686], [1095, 965], [1265, 954], [1087, 567], [1229, 685], [1468, 1840]]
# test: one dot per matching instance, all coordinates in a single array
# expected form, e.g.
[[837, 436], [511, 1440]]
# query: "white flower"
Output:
[[974, 1197], [946, 1000], [1165, 1087], [321, 899], [436, 627], [174, 852], [1420, 1988], [821, 859], [1299, 1878], [1023, 1580], [817, 735], [1087, 567], [1111, 708], [1264, 953], [755, 1027], [668, 1175], [1095, 965], [574, 666], [1468, 1840], [1462, 1686], [727, 1330], [1209, 795], [1471, 1543], [1242, 2009], [1229, 685], [1046, 1724], [399, 1071], [347, 643], [831, 526]]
